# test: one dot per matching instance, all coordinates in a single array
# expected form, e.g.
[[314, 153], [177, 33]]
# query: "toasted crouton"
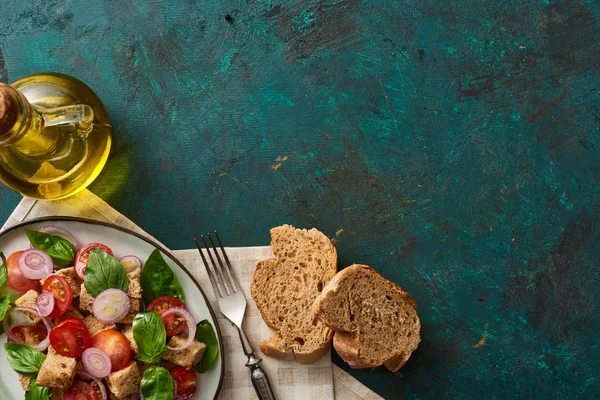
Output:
[[25, 381], [86, 300], [134, 308], [72, 312], [125, 381], [135, 288], [142, 366], [94, 326], [57, 371], [186, 357], [71, 277], [28, 300], [128, 332], [57, 394]]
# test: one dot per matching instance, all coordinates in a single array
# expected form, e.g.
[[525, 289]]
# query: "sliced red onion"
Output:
[[45, 304], [130, 263], [35, 264], [96, 362], [41, 346], [97, 381], [110, 306], [55, 230], [189, 319]]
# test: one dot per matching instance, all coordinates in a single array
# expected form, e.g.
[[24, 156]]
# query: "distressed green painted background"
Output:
[[452, 145]]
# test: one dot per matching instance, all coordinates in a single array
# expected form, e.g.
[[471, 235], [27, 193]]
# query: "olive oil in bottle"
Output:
[[55, 136]]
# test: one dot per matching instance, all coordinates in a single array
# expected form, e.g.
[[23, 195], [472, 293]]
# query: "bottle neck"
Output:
[[17, 116]]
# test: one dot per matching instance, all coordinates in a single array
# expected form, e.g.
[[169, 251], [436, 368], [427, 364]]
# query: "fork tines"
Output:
[[221, 274]]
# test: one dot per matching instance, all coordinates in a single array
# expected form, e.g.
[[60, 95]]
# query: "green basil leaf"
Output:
[[36, 392], [102, 272], [206, 334], [150, 336], [156, 384], [24, 359], [60, 249], [157, 280], [2, 269], [4, 305]]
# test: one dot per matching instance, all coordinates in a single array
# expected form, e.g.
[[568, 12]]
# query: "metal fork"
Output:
[[233, 306]]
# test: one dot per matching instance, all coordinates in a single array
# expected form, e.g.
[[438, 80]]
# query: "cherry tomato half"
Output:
[[15, 278], [70, 338], [81, 390], [185, 379], [60, 289], [30, 334], [83, 255], [174, 324], [115, 345]]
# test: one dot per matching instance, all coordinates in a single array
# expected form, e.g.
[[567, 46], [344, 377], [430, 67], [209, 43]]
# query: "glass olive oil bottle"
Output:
[[55, 136]]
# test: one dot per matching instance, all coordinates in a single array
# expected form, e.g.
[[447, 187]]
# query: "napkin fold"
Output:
[[290, 380]]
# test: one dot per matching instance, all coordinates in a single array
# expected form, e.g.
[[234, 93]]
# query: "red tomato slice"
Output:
[[81, 391], [115, 345], [185, 379], [61, 291], [15, 278], [83, 255], [30, 334], [174, 324], [70, 338]]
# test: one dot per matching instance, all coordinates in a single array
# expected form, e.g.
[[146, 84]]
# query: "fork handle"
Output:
[[259, 378]]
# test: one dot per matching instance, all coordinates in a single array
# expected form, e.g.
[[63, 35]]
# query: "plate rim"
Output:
[[151, 242]]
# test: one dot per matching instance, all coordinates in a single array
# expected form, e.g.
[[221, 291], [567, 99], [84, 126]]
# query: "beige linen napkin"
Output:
[[290, 380]]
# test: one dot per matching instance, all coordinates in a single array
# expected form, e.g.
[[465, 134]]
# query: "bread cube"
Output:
[[25, 381], [186, 357], [134, 308], [28, 300], [86, 300], [57, 371], [70, 313], [125, 381], [94, 326], [128, 332], [135, 287]]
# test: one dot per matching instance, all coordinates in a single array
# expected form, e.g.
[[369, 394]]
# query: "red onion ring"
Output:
[[41, 346], [96, 362], [55, 230], [111, 305], [97, 381], [130, 263], [35, 264], [45, 304], [189, 319]]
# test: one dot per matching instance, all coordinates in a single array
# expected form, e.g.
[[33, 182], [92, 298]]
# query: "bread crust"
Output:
[[272, 347], [347, 344]]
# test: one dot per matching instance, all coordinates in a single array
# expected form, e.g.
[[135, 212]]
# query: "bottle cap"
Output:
[[9, 108]]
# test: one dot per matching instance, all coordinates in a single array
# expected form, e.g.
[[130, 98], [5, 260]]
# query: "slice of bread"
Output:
[[284, 289], [375, 321]]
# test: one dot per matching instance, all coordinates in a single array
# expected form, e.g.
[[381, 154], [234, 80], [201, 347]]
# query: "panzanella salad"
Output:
[[88, 325]]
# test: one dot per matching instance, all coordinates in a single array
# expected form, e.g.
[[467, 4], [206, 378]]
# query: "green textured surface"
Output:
[[452, 145]]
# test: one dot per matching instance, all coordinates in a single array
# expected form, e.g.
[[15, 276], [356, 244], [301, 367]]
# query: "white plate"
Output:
[[122, 242]]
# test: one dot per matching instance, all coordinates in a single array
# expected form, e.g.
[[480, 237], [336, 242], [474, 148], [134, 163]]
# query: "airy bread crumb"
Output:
[[284, 289], [375, 321]]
